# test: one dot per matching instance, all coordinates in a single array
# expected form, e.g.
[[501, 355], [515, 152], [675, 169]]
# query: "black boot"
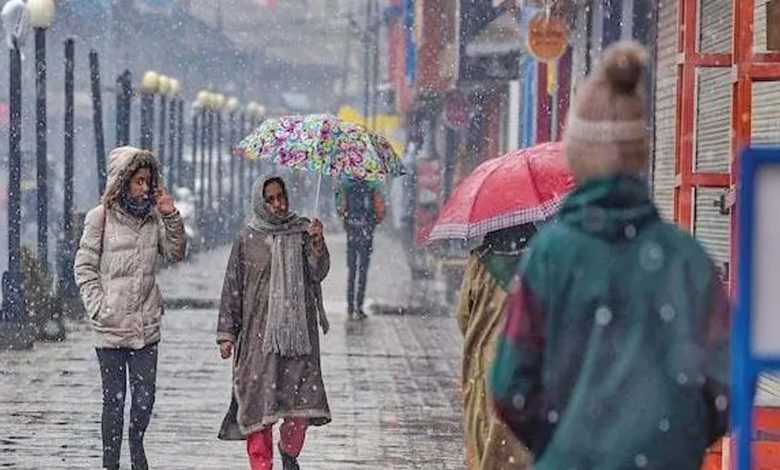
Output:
[[288, 462], [361, 315]]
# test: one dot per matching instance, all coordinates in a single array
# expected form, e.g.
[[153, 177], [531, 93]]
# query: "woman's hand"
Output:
[[226, 349], [315, 232], [164, 202]]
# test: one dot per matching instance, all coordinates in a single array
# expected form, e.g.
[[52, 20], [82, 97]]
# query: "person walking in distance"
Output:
[[268, 320], [114, 269], [362, 208]]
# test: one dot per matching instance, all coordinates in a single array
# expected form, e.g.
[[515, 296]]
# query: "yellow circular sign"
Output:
[[548, 37]]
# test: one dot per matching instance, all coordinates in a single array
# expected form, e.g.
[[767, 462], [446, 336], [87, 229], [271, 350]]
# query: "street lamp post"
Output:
[[180, 148], [163, 89], [14, 313], [210, 162], [124, 94], [242, 168], [210, 170], [203, 101], [41, 15], [232, 107], [219, 103], [172, 116], [97, 121], [66, 266], [192, 170], [149, 85]]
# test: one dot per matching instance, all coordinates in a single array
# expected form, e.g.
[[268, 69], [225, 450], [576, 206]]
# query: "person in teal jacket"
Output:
[[614, 354]]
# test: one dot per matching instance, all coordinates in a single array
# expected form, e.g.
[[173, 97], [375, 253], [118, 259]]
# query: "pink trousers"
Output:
[[260, 445]]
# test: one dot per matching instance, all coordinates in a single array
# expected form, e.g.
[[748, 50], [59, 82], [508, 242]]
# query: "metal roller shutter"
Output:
[[713, 119], [766, 95], [712, 228], [712, 152], [716, 25], [766, 113], [665, 108], [759, 27]]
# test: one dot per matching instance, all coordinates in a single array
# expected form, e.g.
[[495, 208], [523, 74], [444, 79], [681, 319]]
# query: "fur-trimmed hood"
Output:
[[122, 163]]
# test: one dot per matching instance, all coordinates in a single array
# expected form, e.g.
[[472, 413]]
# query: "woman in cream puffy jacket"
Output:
[[115, 264]]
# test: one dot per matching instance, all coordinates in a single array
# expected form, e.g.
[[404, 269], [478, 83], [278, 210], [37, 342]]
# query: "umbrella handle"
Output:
[[317, 197]]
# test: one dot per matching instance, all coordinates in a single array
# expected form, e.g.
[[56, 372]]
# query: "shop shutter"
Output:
[[716, 25], [710, 227], [665, 107], [766, 95], [712, 148]]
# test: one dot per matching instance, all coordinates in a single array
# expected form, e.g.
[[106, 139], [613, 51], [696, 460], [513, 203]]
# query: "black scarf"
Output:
[[136, 206]]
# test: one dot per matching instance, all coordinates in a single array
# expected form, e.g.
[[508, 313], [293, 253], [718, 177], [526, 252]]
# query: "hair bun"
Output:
[[623, 64]]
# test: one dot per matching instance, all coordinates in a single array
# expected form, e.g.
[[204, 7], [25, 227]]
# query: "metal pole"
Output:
[[66, 267], [254, 164], [210, 164], [366, 58], [180, 148], [203, 137], [123, 97], [13, 297], [147, 110], [375, 73], [161, 143], [219, 144], [41, 147], [172, 151], [192, 169], [97, 118], [128, 89], [230, 146], [195, 123], [128, 100], [242, 169], [120, 111], [210, 178]]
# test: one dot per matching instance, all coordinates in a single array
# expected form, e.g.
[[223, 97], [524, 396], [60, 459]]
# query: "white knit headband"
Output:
[[605, 131]]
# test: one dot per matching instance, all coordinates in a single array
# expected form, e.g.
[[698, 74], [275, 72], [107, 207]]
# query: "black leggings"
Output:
[[114, 364], [359, 246]]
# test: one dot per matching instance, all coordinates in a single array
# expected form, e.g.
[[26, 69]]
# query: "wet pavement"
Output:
[[393, 385]]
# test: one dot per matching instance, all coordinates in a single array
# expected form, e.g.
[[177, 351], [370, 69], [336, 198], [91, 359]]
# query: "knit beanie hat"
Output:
[[606, 132]]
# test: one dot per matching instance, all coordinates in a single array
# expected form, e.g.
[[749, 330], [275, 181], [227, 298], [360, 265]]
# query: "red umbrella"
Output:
[[518, 188]]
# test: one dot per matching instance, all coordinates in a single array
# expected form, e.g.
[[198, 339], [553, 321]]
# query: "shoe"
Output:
[[288, 462], [361, 315]]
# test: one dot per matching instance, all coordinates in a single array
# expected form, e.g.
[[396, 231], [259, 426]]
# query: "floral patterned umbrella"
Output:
[[325, 145]]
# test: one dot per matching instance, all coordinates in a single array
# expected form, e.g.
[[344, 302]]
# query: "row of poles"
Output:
[[220, 205], [218, 212]]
